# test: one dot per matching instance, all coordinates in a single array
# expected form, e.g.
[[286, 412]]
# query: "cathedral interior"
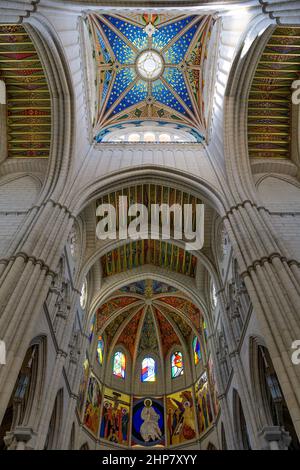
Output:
[[143, 343]]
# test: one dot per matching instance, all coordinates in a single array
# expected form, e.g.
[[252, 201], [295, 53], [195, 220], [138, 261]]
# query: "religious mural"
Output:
[[203, 403], [186, 307], [91, 417], [168, 335], [83, 384], [109, 307], [148, 422], [128, 336], [213, 386], [115, 417], [180, 417], [100, 350]]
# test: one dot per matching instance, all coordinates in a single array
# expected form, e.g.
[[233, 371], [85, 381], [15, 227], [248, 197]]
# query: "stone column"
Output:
[[18, 439], [24, 285], [71, 413], [49, 401], [275, 438], [228, 424], [64, 341], [238, 370], [272, 280], [3, 122]]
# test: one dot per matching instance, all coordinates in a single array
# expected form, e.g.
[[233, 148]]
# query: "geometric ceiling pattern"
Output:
[[270, 101], [148, 194], [148, 315], [27, 95], [149, 67], [154, 252], [144, 252]]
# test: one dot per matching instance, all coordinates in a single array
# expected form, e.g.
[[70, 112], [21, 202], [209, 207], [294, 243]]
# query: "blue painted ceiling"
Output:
[[123, 95]]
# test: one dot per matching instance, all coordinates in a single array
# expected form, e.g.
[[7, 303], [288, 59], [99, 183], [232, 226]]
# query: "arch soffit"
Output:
[[170, 177], [237, 91]]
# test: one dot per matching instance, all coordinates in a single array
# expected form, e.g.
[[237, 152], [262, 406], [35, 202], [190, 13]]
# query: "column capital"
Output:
[[275, 438]]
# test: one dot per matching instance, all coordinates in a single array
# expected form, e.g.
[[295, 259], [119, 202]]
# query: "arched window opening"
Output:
[[211, 446], [214, 298], [176, 364], [241, 426], [20, 404], [204, 331], [84, 446], [72, 438], [134, 137], [150, 132], [164, 137], [119, 365], [148, 373], [53, 434], [149, 137], [244, 431], [6, 425], [83, 295], [92, 328], [196, 350], [100, 350], [223, 438]]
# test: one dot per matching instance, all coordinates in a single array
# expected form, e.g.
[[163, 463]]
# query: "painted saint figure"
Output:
[[114, 426], [180, 418], [150, 429]]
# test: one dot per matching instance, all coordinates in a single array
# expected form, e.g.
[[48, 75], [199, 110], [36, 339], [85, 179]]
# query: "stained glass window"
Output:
[[197, 350], [214, 298], [119, 364], [148, 370], [149, 64], [177, 364], [100, 350], [83, 295], [205, 330]]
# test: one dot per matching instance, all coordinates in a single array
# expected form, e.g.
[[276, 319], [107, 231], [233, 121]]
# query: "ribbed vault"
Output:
[[147, 67], [149, 315]]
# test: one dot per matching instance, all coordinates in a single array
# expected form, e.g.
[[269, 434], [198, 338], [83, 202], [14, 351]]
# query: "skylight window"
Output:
[[149, 65]]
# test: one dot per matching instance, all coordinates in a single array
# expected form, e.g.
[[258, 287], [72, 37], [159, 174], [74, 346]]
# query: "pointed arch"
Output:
[[240, 423], [148, 369], [196, 350], [177, 364], [55, 424], [27, 391], [119, 364]]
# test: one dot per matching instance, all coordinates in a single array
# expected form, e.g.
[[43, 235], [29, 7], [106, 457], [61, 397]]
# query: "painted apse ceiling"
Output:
[[147, 67], [148, 316]]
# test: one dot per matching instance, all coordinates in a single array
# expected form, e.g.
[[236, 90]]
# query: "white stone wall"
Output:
[[17, 195]]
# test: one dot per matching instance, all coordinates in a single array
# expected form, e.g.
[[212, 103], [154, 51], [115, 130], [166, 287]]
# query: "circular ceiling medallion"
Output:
[[149, 64]]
